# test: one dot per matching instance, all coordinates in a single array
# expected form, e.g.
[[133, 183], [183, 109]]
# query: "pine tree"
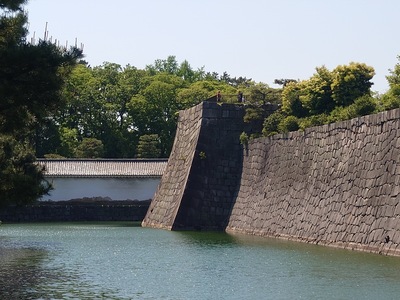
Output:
[[31, 78]]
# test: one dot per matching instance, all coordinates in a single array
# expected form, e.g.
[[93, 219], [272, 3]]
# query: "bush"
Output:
[[271, 123], [364, 105], [391, 99], [290, 123], [253, 113], [149, 146], [53, 155], [311, 121], [339, 114], [90, 148], [244, 138]]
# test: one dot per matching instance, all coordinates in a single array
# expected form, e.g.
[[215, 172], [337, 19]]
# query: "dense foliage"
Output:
[[121, 107], [124, 108], [31, 77], [326, 97]]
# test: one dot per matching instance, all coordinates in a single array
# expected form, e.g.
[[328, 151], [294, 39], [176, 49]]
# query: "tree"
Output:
[[351, 82], [290, 123], [97, 106], [327, 89], [261, 93], [291, 101], [271, 123], [327, 96], [192, 95], [284, 81], [90, 148], [316, 95], [394, 77], [153, 110], [31, 77], [391, 99], [21, 180], [169, 66], [149, 146]]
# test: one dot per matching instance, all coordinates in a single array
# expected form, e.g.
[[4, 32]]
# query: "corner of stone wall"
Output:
[[216, 167]]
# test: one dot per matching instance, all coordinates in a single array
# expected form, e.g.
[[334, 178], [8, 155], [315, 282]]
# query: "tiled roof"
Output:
[[104, 167]]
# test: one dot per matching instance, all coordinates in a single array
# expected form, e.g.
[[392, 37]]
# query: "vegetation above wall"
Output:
[[129, 111], [331, 96]]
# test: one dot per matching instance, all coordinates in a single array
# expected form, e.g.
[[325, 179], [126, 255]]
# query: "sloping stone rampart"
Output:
[[201, 181], [336, 185], [167, 199]]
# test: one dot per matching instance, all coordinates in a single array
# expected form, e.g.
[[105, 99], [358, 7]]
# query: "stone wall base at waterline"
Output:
[[65, 211]]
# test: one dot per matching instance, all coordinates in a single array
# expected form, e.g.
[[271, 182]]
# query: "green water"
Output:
[[125, 261]]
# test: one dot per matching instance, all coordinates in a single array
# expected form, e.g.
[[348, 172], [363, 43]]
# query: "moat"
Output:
[[121, 260]]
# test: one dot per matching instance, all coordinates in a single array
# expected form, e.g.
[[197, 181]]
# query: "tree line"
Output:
[[113, 111], [118, 112]]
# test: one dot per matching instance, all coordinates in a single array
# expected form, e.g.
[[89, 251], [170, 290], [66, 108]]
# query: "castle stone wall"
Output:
[[336, 185], [167, 199], [202, 177]]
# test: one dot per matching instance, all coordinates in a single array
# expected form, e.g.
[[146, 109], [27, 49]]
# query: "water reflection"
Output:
[[35, 268], [20, 272]]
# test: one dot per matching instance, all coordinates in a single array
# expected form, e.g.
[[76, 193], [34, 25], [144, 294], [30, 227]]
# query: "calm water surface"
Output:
[[125, 261]]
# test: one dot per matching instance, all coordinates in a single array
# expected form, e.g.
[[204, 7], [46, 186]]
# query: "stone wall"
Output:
[[214, 178], [64, 211], [336, 185], [167, 199], [202, 177]]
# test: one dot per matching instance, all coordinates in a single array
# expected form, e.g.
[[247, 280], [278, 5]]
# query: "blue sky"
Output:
[[258, 39]]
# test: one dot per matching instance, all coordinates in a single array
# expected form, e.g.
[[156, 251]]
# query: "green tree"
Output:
[[31, 77], [362, 106], [149, 146], [90, 148], [97, 106], [391, 99], [192, 95], [290, 123], [117, 87], [351, 82], [291, 102], [316, 95], [284, 81], [153, 110], [21, 180], [69, 142], [271, 123], [168, 66], [261, 93]]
